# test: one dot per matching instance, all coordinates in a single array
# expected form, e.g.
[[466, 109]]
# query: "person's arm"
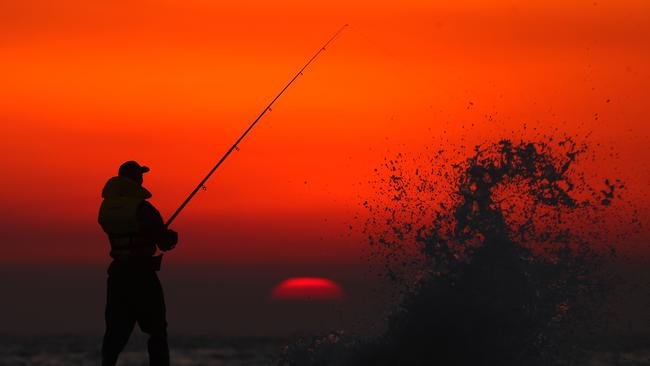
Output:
[[152, 225]]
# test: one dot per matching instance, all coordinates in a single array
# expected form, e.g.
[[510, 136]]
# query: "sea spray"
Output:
[[496, 258]]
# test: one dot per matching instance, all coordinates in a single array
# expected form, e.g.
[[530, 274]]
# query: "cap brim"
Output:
[[144, 169]]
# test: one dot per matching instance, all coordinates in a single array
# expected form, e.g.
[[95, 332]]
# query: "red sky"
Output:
[[85, 86]]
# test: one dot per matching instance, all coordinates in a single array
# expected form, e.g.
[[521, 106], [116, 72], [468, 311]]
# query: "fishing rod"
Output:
[[234, 146]]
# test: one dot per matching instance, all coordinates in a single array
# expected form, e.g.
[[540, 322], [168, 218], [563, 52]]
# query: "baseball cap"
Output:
[[131, 168]]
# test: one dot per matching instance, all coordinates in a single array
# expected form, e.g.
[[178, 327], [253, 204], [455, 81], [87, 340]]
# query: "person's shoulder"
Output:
[[147, 207], [148, 215]]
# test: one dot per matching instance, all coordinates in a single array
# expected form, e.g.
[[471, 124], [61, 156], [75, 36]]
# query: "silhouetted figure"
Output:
[[134, 295]]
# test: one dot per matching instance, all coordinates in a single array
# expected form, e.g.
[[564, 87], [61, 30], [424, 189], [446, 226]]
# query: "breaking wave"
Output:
[[497, 258]]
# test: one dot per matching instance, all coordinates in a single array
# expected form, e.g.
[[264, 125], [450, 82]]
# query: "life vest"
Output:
[[118, 218]]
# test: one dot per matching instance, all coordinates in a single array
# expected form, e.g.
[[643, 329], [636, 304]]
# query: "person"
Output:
[[135, 231]]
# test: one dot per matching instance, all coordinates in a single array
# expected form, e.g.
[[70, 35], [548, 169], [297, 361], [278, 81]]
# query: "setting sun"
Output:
[[307, 288]]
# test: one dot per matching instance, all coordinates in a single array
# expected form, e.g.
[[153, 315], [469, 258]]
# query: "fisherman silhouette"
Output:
[[134, 294]]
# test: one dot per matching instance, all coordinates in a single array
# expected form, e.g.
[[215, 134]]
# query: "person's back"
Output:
[[134, 294]]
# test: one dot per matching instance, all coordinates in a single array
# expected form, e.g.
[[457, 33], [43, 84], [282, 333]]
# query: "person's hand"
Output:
[[169, 241]]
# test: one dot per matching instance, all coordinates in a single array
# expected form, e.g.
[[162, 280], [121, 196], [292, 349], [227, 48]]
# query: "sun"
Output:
[[307, 288]]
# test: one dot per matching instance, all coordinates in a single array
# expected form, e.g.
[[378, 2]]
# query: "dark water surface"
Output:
[[73, 350], [186, 350]]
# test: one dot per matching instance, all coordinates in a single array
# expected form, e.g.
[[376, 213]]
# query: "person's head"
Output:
[[133, 171]]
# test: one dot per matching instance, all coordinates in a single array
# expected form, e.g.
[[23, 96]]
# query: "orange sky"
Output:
[[85, 86]]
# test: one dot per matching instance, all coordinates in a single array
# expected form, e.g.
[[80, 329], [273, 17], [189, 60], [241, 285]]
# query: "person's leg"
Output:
[[119, 320], [151, 318]]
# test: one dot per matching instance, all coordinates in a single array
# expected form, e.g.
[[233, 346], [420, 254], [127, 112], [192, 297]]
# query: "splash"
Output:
[[497, 257], [506, 267]]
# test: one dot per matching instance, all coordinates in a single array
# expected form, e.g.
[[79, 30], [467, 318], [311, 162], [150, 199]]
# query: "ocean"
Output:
[[205, 350]]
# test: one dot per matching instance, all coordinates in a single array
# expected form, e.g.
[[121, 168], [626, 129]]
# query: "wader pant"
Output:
[[134, 295]]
